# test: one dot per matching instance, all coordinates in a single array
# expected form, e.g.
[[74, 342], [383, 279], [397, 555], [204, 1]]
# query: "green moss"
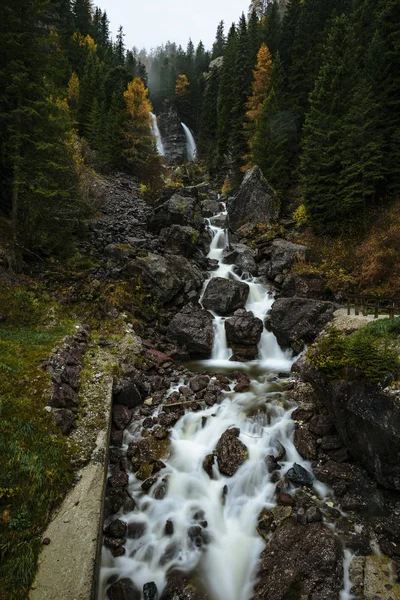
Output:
[[372, 350]]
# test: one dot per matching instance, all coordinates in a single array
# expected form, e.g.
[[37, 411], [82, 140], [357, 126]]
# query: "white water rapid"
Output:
[[191, 148], [156, 134], [226, 553]]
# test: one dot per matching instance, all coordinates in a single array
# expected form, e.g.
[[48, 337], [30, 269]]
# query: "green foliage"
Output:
[[35, 471], [372, 350]]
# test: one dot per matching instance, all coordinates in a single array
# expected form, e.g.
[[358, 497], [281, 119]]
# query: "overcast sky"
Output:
[[149, 23]]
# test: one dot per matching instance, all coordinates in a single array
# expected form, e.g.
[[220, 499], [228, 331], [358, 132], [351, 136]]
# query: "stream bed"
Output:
[[201, 518]]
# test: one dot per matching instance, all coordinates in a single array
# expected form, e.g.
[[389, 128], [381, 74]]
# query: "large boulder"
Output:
[[172, 134], [166, 276], [301, 561], [182, 586], [309, 285], [281, 256], [367, 419], [243, 328], [193, 328], [297, 321], [224, 296], [178, 210], [231, 452], [255, 202], [181, 239]]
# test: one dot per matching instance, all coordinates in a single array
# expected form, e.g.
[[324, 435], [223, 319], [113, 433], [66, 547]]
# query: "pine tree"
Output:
[[83, 12], [275, 138], [324, 132], [225, 97], [120, 47], [271, 27], [219, 44]]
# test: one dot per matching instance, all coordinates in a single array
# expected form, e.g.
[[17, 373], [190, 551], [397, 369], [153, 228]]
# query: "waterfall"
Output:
[[156, 134], [191, 148], [227, 551]]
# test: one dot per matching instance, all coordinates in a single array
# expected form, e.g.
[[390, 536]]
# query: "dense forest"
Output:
[[307, 90]]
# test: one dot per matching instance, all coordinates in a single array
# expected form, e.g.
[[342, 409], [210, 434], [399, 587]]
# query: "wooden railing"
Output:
[[366, 304]]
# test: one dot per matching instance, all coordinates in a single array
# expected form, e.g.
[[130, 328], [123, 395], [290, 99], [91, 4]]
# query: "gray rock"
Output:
[[282, 255], [210, 207], [181, 239], [166, 276], [255, 202], [183, 586], [172, 134], [123, 589], [224, 296], [178, 210], [193, 328], [126, 393], [231, 452], [300, 562], [299, 475], [64, 419], [298, 321], [150, 591], [243, 328], [304, 286], [367, 418]]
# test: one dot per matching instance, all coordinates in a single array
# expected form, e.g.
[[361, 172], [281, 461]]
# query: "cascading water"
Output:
[[223, 510], [191, 148], [156, 134]]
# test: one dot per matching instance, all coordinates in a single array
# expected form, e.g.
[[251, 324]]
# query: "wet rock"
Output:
[[378, 582], [342, 477], [183, 586], [286, 500], [243, 329], [241, 387], [123, 589], [113, 543], [331, 442], [126, 393], [199, 382], [121, 416], [305, 443], [209, 207], [243, 353], [116, 529], [298, 475], [297, 321], [193, 328], [169, 528], [115, 499], [161, 490], [118, 480], [225, 296], [300, 562], [116, 437], [313, 514], [150, 591], [148, 483], [136, 530], [208, 464], [256, 202], [231, 452]]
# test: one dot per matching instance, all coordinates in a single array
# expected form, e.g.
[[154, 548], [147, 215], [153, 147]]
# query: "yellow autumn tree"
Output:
[[182, 86], [260, 92], [139, 145]]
